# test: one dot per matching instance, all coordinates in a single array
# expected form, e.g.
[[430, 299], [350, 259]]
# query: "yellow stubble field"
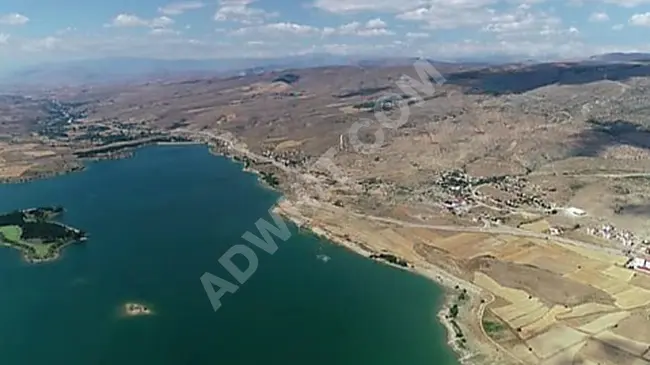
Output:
[[541, 326]]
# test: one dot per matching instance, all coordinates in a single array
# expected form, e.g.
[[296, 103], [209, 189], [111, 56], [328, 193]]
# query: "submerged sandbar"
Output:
[[136, 309]]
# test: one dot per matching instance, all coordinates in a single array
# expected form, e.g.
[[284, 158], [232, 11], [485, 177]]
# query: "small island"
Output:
[[136, 309], [36, 235]]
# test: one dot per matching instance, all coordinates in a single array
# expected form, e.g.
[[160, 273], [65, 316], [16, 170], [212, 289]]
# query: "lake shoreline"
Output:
[[446, 281]]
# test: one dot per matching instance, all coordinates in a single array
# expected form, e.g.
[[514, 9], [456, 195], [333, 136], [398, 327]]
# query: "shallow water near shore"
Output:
[[157, 222]]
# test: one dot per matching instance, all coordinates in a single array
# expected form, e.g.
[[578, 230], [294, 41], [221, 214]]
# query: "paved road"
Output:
[[492, 230], [614, 176], [243, 150]]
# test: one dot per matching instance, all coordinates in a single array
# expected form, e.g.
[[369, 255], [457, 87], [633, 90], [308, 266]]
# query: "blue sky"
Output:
[[51, 30]]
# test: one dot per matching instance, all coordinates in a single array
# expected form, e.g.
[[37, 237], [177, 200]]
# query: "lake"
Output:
[[156, 223]]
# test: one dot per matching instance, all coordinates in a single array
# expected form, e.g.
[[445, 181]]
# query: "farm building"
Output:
[[639, 263]]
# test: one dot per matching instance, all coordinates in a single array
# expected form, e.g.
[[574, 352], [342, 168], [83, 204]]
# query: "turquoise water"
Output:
[[157, 222]]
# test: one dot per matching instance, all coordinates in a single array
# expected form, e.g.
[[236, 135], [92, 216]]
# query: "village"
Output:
[[504, 196]]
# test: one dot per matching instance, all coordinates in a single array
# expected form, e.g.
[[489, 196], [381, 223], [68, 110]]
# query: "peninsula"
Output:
[[36, 235]]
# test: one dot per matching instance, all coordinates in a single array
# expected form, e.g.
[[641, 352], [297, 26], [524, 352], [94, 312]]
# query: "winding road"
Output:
[[491, 230]]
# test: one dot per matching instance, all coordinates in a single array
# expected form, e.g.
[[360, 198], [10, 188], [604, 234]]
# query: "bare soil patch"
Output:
[[549, 287]]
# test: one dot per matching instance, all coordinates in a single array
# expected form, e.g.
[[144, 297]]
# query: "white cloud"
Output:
[[372, 32], [239, 11], [376, 23], [291, 28], [273, 28], [513, 27], [82, 44], [158, 25], [417, 35], [13, 19], [525, 24], [598, 17], [128, 20], [640, 20], [352, 6], [42, 44], [445, 14], [49, 42], [161, 22], [66, 30], [277, 28], [164, 31], [345, 29], [373, 27], [180, 7], [628, 3]]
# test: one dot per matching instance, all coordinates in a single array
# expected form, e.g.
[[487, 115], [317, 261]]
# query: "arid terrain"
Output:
[[524, 189]]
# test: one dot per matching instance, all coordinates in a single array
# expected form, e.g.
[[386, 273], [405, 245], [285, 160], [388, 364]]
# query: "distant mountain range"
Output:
[[119, 70], [112, 70], [622, 57]]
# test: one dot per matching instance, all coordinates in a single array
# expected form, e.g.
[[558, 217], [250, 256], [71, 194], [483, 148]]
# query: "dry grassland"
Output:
[[603, 323], [524, 354], [565, 356], [288, 145], [586, 309], [636, 327], [633, 298], [560, 304], [556, 298], [539, 226], [13, 170], [619, 273], [556, 340], [545, 322], [623, 343], [599, 353]]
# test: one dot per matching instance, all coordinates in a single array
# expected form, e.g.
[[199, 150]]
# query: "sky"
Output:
[[34, 31]]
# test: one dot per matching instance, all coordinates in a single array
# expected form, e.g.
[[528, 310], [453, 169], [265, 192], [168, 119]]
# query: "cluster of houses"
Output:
[[609, 232], [457, 206], [639, 263], [462, 186], [456, 182], [515, 185], [292, 158], [638, 255]]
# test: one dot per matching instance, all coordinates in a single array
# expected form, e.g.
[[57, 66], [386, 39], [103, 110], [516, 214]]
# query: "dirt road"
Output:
[[493, 230]]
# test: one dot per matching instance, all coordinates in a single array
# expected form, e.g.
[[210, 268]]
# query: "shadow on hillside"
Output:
[[601, 135], [503, 81], [636, 209]]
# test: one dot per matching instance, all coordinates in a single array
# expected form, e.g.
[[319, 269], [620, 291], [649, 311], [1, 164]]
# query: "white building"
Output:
[[639, 263], [575, 212]]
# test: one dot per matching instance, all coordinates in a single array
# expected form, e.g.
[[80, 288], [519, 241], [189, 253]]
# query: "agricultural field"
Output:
[[561, 304], [551, 303], [11, 233]]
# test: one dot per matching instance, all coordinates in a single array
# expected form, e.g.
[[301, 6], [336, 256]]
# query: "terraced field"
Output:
[[563, 304], [553, 303]]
